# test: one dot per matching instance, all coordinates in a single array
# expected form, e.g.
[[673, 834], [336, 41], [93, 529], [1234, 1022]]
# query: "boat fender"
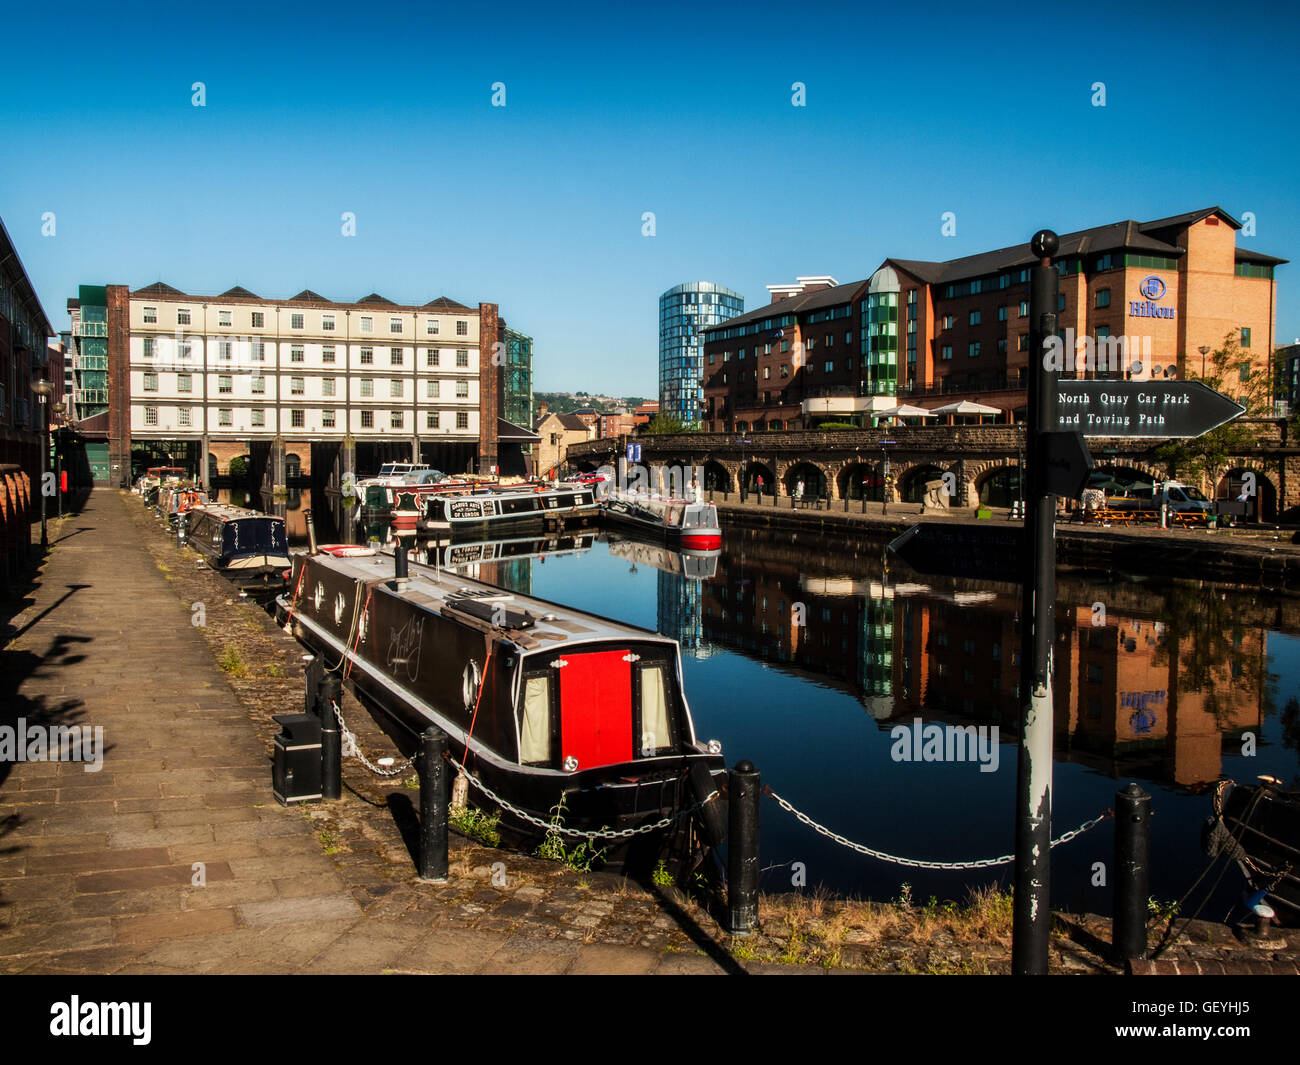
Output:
[[712, 816], [1217, 839], [460, 791]]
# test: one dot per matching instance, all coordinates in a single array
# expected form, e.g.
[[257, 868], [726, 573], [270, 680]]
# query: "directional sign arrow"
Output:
[[1158, 409]]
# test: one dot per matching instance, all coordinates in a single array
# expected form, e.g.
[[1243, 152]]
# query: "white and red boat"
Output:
[[689, 523]]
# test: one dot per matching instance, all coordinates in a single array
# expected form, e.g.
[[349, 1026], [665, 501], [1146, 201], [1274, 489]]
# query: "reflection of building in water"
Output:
[[680, 615], [1134, 688], [1158, 699], [959, 657]]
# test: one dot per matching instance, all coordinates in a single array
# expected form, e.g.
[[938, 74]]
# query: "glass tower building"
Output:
[[683, 312]]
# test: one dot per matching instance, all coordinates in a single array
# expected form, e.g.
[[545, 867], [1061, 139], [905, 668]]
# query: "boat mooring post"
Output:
[[328, 695], [1132, 873], [744, 792], [324, 691], [435, 798], [1032, 914]]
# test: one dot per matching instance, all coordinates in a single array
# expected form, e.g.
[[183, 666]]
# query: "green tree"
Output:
[[1231, 371], [664, 423]]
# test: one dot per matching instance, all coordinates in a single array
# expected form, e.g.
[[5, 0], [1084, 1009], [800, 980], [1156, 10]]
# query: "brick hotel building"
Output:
[[157, 369], [930, 333]]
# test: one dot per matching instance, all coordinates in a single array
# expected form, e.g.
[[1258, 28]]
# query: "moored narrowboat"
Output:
[[527, 503], [540, 702], [688, 522], [241, 543]]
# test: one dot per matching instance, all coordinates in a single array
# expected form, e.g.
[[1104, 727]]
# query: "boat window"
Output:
[[655, 731], [535, 728]]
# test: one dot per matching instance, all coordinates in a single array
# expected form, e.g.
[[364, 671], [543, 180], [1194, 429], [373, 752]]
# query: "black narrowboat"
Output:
[[499, 507], [243, 544], [539, 701]]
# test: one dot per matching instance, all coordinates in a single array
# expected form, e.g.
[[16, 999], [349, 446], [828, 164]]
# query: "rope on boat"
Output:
[[350, 745], [603, 833], [916, 863]]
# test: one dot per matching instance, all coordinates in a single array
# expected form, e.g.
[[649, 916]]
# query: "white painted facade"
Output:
[[304, 370]]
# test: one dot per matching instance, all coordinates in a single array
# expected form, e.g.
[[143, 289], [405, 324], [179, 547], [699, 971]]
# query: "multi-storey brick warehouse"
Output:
[[219, 372], [930, 333]]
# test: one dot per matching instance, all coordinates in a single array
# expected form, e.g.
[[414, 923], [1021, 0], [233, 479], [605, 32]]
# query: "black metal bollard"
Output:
[[311, 530], [328, 694], [1132, 873], [400, 569], [742, 848], [435, 798], [182, 520]]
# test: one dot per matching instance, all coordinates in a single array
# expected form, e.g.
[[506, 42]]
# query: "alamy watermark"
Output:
[[919, 742], [22, 742]]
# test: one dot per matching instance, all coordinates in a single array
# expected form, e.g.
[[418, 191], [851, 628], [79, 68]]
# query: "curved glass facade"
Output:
[[683, 312]]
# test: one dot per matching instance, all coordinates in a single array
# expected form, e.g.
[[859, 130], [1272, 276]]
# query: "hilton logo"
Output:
[[1153, 289]]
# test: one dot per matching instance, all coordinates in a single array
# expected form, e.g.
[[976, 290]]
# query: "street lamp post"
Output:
[[1204, 350], [59, 411], [43, 389], [884, 477]]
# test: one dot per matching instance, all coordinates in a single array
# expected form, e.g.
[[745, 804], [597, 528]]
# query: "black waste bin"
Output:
[[296, 768]]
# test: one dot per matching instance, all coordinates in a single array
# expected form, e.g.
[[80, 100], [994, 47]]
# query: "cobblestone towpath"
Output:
[[163, 851]]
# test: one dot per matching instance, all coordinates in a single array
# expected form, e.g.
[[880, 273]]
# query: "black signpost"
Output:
[[1032, 914]]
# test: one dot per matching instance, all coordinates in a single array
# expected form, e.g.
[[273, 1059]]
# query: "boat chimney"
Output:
[[311, 531], [401, 572]]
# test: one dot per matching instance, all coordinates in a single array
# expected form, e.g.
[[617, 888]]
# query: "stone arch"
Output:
[[911, 481], [292, 465], [586, 466], [816, 483], [753, 469], [858, 478], [717, 478], [998, 484], [1124, 472], [1232, 484]]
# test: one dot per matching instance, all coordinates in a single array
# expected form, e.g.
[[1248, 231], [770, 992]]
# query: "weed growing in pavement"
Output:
[[232, 663], [579, 857], [477, 825]]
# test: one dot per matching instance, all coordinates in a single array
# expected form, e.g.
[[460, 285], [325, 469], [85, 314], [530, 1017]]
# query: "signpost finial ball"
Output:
[[1045, 244]]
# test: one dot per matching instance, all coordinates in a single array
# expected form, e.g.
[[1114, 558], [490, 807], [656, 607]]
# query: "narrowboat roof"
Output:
[[553, 624], [227, 512]]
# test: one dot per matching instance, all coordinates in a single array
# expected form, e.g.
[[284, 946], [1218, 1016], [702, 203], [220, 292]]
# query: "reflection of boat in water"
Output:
[[679, 521], [450, 554], [1258, 826], [241, 543], [696, 565], [546, 702]]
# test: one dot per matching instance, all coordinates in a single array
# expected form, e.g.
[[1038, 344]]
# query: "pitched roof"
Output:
[[509, 431], [444, 304], [375, 297], [308, 296], [238, 292], [1154, 237], [1245, 255], [158, 288], [807, 301]]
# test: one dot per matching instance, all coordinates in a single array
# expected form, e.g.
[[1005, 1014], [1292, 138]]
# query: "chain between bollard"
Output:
[[350, 743], [604, 833], [916, 863]]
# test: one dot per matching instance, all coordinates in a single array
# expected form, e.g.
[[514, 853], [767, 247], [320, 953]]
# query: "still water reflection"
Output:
[[1172, 684]]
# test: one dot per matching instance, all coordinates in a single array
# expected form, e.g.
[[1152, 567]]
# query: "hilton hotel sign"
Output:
[[1154, 290]]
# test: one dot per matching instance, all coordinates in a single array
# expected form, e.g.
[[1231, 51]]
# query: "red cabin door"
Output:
[[596, 709]]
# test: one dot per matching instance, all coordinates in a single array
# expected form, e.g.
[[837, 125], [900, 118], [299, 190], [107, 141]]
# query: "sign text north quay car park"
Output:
[[1140, 408]]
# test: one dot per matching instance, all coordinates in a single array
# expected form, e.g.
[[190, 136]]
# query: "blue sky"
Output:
[[682, 110]]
